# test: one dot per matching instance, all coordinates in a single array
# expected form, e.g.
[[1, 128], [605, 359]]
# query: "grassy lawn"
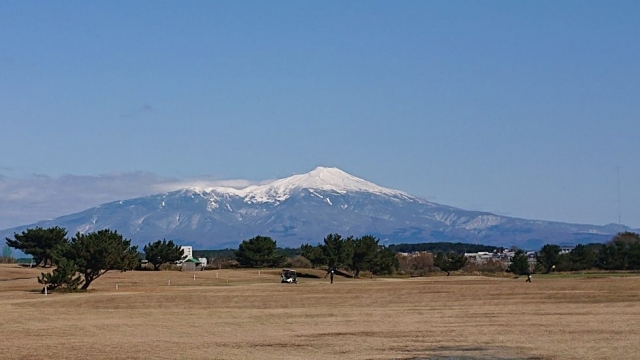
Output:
[[586, 274], [246, 314]]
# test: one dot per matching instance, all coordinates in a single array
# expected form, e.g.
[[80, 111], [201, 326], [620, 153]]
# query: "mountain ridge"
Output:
[[306, 207], [320, 178]]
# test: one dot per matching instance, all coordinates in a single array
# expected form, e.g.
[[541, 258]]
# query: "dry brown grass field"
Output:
[[238, 314]]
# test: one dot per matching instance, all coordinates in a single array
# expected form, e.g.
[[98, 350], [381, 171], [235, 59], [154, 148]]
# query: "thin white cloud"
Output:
[[205, 184], [38, 197]]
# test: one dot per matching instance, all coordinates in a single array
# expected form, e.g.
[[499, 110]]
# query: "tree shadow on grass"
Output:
[[469, 353], [308, 276]]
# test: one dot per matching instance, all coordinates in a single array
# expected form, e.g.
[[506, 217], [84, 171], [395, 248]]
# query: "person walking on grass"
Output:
[[528, 277]]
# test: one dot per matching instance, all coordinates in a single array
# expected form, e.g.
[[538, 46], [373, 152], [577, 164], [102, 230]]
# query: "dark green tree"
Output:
[[162, 252], [620, 253], [338, 252], [39, 243], [64, 276], [259, 251], [634, 256], [98, 252], [519, 263], [449, 262], [384, 262], [548, 257], [366, 253], [581, 258], [609, 258], [313, 254]]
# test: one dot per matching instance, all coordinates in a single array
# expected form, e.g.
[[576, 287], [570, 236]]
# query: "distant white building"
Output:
[[566, 249], [188, 251], [479, 257]]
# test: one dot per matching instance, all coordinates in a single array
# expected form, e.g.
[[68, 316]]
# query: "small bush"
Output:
[[218, 264], [491, 266], [298, 262], [420, 264], [170, 267]]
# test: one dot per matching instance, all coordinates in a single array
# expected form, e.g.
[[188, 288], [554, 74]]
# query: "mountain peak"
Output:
[[321, 178], [327, 170], [330, 179]]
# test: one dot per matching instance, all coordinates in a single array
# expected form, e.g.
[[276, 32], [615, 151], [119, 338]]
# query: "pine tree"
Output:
[[337, 251], [64, 276], [98, 252], [519, 263], [313, 254], [259, 251], [39, 243], [366, 255], [548, 257], [449, 262], [162, 252]]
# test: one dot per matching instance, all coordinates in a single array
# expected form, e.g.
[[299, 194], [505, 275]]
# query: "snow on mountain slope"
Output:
[[321, 178]]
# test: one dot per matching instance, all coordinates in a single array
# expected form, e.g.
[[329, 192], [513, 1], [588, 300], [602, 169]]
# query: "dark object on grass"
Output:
[[288, 276]]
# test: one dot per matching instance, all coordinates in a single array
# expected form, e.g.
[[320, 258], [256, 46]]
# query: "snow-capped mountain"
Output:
[[304, 209], [321, 179]]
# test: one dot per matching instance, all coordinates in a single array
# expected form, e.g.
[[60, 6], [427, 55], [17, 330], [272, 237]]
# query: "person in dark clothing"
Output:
[[330, 272], [528, 277]]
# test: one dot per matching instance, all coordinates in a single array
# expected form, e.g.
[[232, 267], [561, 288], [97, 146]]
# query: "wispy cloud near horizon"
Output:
[[28, 199]]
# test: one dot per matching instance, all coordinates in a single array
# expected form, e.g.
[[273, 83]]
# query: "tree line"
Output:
[[85, 257], [354, 254], [230, 254], [79, 260], [622, 252], [443, 247], [335, 253]]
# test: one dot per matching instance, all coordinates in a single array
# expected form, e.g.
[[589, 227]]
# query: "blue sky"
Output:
[[520, 108]]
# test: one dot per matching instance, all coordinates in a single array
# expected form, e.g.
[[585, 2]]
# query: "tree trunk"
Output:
[[87, 282], [89, 277]]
